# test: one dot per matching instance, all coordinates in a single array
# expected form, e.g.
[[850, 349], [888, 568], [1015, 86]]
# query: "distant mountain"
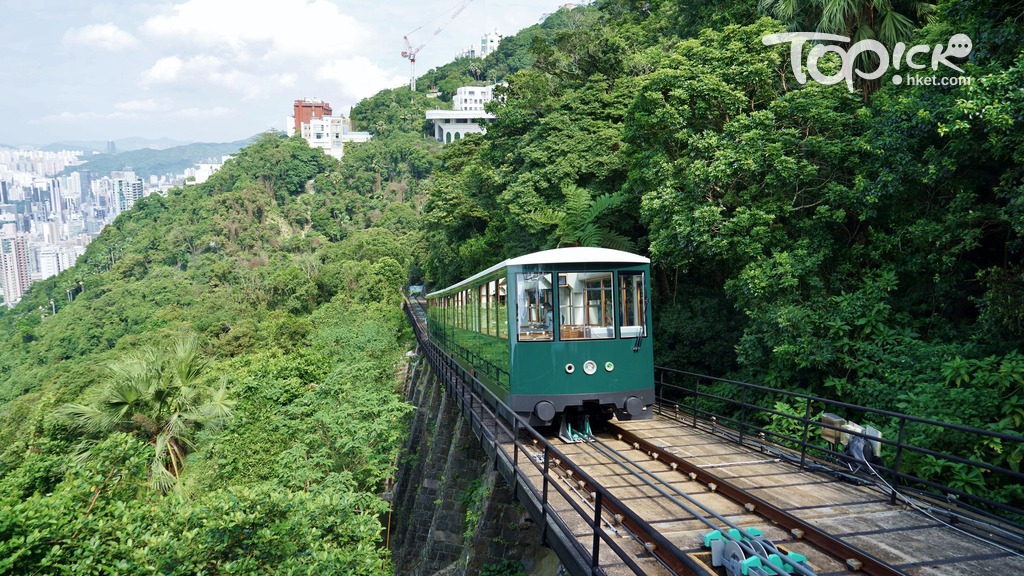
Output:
[[149, 162], [121, 145]]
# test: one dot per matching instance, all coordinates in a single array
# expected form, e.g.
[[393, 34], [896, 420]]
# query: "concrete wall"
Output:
[[444, 473]]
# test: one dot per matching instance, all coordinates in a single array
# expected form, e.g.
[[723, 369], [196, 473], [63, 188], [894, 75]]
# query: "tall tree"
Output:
[[887, 21]]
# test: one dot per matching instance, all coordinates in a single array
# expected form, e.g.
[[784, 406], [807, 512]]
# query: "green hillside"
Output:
[[148, 162], [260, 448], [864, 245]]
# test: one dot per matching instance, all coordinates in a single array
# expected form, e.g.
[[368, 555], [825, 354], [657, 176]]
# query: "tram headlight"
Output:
[[590, 367], [569, 368]]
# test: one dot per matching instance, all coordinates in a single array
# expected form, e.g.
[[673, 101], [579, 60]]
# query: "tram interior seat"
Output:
[[571, 332], [583, 332], [534, 333]]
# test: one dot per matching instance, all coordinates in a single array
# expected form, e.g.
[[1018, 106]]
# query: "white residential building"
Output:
[[467, 115], [201, 172], [488, 43], [312, 119], [128, 189], [15, 276], [330, 134]]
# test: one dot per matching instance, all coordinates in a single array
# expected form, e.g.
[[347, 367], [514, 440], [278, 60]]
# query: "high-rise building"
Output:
[[56, 199], [127, 190], [15, 276], [307, 109]]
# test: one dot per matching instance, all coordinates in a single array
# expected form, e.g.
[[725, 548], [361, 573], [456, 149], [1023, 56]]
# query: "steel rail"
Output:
[[667, 553], [854, 557], [635, 469]]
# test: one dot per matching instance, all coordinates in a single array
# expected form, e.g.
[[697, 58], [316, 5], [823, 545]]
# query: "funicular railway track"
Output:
[[579, 478], [654, 489], [643, 496], [839, 528]]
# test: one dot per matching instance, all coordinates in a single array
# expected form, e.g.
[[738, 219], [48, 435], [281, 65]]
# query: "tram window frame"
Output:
[[463, 315], [478, 312], [576, 315], [531, 296], [637, 304], [485, 308], [501, 297]]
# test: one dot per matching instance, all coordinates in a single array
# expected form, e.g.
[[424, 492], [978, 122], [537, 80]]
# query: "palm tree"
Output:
[[888, 21], [158, 395]]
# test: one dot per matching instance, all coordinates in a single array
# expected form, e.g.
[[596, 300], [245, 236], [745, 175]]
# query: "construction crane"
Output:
[[411, 52]]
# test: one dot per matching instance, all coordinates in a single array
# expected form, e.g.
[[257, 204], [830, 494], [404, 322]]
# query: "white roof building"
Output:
[[467, 115]]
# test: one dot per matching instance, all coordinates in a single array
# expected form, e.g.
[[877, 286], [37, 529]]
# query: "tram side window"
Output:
[[460, 320], [586, 305], [476, 311], [502, 308], [533, 302], [632, 317]]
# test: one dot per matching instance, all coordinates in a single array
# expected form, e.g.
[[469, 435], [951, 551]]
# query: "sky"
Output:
[[217, 70]]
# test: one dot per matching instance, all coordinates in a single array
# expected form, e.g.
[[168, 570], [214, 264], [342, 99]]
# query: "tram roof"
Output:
[[572, 255]]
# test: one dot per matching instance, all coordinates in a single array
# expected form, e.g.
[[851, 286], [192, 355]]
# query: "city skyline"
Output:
[[216, 70]]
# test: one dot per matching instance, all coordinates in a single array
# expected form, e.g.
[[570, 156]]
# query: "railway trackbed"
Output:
[[686, 483]]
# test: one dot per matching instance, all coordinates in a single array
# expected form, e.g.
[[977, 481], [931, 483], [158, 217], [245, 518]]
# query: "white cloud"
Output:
[[69, 117], [257, 53], [358, 77], [103, 36], [163, 71], [149, 105], [135, 110], [279, 29], [204, 113]]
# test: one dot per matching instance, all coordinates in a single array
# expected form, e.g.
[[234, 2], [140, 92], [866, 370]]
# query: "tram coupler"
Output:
[[580, 433]]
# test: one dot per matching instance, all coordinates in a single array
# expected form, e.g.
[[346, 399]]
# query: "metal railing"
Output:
[[751, 414], [501, 431]]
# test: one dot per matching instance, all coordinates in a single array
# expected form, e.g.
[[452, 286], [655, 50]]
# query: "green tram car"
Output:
[[574, 337]]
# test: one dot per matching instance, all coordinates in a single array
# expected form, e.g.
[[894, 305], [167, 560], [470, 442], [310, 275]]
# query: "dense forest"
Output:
[[216, 391], [213, 387], [864, 244]]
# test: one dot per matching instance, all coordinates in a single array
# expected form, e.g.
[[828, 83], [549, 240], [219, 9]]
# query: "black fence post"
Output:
[[696, 391], [515, 443], [896, 462], [596, 554], [743, 412], [807, 425], [544, 498]]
